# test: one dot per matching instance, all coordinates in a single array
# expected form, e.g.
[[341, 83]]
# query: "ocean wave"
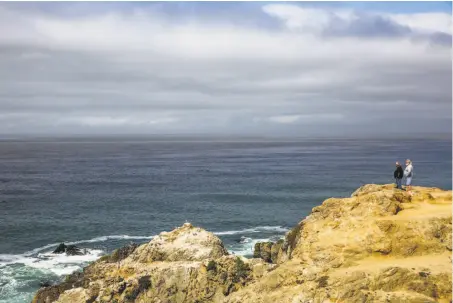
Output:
[[258, 229], [20, 272], [17, 284], [245, 240], [245, 248], [93, 240], [59, 264], [42, 257], [245, 245]]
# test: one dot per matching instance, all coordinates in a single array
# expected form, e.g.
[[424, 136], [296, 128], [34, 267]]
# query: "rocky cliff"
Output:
[[379, 245]]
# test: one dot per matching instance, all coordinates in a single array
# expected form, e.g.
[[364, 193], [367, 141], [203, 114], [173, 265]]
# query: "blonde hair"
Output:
[[408, 160]]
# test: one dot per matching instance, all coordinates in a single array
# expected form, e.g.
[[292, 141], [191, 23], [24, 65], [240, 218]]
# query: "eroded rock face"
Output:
[[379, 245], [268, 251]]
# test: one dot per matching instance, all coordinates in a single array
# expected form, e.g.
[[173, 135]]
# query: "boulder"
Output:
[[60, 249], [268, 251], [263, 251], [186, 243]]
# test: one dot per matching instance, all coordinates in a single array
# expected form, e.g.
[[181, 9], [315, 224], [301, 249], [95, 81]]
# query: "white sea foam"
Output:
[[25, 272], [93, 240], [246, 245], [245, 240], [61, 264], [257, 229], [245, 248]]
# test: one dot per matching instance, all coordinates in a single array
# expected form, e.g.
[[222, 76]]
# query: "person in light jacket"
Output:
[[409, 173]]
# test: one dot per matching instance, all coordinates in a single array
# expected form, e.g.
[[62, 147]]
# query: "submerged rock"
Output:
[[379, 245]]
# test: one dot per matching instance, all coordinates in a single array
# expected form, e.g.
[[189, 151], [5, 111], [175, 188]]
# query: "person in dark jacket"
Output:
[[398, 175]]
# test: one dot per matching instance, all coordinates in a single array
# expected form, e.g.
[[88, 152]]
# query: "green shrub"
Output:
[[211, 266], [242, 270], [132, 295], [144, 283]]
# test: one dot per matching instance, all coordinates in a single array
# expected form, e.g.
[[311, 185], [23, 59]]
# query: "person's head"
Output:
[[397, 163], [408, 162]]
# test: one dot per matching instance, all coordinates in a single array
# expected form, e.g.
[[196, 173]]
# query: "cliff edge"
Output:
[[379, 245]]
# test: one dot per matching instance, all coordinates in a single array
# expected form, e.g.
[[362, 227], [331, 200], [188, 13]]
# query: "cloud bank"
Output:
[[289, 70]]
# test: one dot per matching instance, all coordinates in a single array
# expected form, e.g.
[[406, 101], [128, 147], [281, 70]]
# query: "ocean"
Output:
[[102, 193]]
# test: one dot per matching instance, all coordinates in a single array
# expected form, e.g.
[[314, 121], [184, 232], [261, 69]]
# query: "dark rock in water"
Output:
[[70, 250], [60, 249]]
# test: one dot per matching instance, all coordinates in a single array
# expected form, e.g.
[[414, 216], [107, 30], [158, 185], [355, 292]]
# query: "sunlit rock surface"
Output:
[[379, 245]]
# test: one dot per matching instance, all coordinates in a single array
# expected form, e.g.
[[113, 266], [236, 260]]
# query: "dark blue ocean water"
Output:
[[103, 193]]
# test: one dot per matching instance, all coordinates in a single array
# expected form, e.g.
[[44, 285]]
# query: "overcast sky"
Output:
[[225, 68]]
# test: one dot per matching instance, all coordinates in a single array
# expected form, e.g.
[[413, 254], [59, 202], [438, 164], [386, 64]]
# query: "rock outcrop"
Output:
[[379, 245], [188, 264], [268, 251]]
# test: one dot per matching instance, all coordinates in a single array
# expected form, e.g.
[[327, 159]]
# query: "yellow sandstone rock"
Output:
[[379, 245]]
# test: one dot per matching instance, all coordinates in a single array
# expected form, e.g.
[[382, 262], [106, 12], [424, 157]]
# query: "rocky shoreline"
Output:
[[379, 245]]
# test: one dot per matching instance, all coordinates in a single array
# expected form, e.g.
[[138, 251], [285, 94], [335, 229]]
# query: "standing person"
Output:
[[398, 175], [408, 173]]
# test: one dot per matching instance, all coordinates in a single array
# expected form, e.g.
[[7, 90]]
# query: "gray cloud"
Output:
[[115, 73]]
